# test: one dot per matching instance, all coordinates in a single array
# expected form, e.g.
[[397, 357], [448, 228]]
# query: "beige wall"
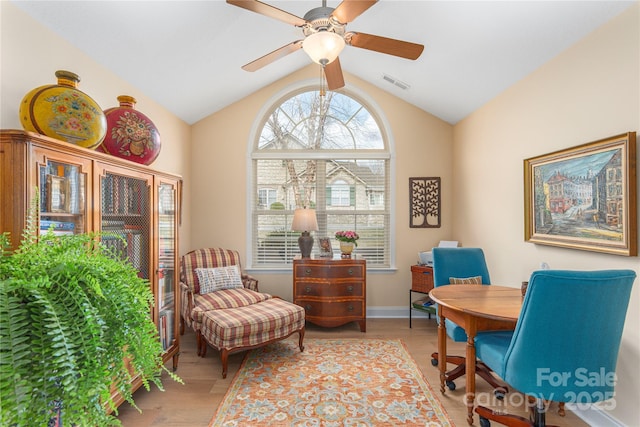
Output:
[[587, 93], [31, 54], [219, 160]]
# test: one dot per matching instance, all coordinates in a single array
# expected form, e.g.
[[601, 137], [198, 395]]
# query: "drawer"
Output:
[[326, 309], [339, 289], [329, 271]]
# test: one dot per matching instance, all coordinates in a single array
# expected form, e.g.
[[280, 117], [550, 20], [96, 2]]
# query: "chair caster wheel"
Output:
[[484, 422], [499, 393], [434, 362], [451, 385]]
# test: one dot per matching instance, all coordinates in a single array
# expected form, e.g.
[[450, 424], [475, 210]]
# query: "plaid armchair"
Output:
[[232, 319], [190, 285]]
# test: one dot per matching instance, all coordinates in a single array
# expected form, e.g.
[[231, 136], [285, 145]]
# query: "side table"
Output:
[[421, 282]]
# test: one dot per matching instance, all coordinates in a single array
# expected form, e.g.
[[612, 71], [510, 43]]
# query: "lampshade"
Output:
[[323, 47], [304, 220]]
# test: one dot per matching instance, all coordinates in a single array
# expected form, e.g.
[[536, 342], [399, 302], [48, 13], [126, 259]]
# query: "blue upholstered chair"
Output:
[[461, 263], [558, 350]]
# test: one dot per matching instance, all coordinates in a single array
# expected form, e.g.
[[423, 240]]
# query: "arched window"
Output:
[[326, 152]]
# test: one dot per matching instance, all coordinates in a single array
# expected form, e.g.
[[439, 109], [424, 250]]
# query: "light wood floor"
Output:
[[194, 403]]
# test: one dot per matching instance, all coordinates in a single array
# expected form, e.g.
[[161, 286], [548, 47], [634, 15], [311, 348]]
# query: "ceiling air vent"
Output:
[[395, 82]]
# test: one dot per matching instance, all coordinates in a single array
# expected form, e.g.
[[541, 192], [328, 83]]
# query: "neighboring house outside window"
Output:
[[327, 153], [266, 197], [376, 198], [340, 193]]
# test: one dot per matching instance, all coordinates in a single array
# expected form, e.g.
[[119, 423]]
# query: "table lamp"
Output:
[[304, 220]]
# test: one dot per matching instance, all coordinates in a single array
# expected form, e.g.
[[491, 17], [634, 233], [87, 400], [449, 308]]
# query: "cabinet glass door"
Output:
[[125, 221], [63, 197], [166, 264]]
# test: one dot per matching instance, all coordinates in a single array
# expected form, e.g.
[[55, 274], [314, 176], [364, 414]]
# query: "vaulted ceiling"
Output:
[[186, 55]]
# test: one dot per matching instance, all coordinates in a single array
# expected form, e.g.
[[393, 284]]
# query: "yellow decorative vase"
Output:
[[346, 248], [64, 112]]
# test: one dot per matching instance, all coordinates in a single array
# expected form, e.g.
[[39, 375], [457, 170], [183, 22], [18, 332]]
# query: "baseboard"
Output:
[[392, 312], [592, 416]]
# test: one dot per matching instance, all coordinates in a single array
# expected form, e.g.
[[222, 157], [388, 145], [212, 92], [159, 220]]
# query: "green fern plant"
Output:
[[71, 314]]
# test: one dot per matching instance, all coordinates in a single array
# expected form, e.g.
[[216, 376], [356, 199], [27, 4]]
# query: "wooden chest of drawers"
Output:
[[332, 291]]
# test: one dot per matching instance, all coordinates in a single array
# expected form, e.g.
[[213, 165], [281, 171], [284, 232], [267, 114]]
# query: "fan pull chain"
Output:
[[323, 79]]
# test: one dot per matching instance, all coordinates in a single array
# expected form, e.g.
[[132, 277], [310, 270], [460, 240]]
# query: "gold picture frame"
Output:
[[57, 194], [584, 197]]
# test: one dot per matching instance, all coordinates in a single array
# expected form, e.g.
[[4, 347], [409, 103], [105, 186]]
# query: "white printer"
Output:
[[426, 258]]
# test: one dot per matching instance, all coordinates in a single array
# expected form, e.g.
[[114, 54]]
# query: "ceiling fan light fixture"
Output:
[[323, 47]]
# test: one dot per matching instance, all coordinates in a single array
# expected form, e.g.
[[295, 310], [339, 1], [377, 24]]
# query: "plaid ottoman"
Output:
[[242, 328]]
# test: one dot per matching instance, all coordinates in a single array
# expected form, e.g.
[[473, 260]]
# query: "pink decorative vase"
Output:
[[64, 112], [130, 134]]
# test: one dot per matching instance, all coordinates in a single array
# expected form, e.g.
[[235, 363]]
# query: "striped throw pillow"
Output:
[[215, 279], [475, 280]]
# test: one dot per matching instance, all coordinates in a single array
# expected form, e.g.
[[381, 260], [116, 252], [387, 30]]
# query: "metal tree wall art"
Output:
[[424, 211]]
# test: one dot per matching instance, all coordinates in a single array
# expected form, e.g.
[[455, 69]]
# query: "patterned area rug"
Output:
[[334, 382]]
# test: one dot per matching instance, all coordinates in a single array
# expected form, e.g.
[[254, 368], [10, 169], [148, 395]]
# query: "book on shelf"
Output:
[[45, 224], [123, 195], [165, 300], [59, 227], [43, 189], [115, 244], [134, 248], [160, 296], [165, 328], [111, 224], [162, 326]]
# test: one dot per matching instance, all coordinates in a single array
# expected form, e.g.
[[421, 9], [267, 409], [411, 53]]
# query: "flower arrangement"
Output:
[[348, 236]]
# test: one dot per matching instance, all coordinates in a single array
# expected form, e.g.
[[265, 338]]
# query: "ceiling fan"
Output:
[[325, 34]]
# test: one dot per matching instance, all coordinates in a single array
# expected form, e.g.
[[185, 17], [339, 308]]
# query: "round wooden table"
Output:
[[474, 308]]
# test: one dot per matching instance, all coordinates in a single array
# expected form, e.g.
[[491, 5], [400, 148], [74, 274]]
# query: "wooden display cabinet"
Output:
[[333, 292], [84, 190]]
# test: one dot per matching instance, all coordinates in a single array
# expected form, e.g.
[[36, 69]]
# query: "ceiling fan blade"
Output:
[[333, 73], [268, 10], [349, 10], [273, 56], [385, 45]]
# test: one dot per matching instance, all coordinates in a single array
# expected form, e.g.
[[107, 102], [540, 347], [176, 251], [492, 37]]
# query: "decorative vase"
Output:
[[130, 134], [346, 248], [64, 112]]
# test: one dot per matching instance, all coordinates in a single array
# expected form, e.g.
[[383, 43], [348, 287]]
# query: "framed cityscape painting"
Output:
[[584, 197]]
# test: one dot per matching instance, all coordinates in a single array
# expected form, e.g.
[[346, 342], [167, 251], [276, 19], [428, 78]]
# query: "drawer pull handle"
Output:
[[307, 271], [307, 307], [426, 272], [350, 308], [351, 272], [350, 289], [307, 289]]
